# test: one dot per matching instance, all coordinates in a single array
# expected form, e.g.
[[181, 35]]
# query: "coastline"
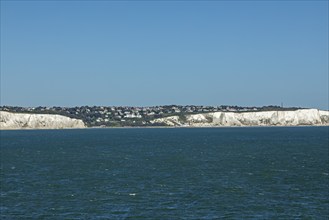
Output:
[[298, 118], [163, 127]]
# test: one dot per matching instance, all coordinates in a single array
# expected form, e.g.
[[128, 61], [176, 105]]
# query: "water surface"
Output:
[[199, 173]]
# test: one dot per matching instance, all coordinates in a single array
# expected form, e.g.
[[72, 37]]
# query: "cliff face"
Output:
[[265, 118], [37, 121]]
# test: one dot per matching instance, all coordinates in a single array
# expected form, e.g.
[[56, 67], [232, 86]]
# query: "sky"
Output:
[[143, 53]]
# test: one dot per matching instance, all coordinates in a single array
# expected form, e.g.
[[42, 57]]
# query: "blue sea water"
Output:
[[177, 173]]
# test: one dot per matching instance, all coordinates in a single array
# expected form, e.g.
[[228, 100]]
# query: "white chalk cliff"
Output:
[[263, 118], [37, 121]]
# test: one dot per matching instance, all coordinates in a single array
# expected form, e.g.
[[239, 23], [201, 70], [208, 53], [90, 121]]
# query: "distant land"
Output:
[[118, 116], [13, 117]]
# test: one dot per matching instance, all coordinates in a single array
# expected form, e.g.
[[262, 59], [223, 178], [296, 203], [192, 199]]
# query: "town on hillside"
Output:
[[111, 116]]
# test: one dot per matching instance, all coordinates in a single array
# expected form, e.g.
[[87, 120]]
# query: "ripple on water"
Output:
[[241, 173]]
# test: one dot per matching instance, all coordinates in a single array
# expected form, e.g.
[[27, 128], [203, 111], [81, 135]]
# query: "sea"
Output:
[[165, 173]]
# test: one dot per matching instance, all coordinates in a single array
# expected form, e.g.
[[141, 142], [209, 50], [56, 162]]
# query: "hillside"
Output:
[[264, 118], [37, 121]]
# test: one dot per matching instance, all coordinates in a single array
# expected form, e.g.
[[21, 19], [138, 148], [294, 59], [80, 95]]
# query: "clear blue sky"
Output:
[[142, 53]]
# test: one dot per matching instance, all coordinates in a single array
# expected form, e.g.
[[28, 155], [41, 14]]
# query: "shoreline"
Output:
[[162, 127], [298, 118]]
